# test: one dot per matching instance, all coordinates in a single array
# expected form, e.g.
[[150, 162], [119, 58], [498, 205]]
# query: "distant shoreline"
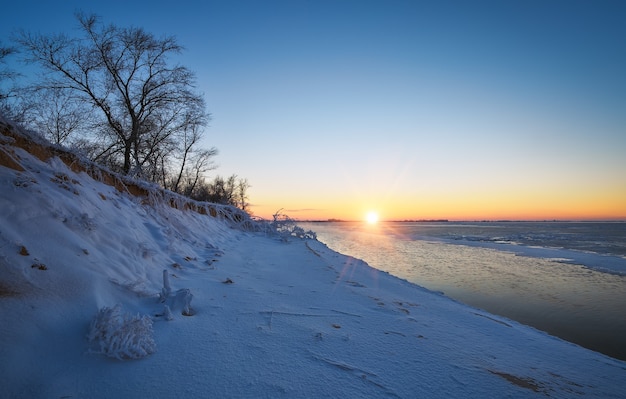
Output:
[[460, 221], [382, 221]]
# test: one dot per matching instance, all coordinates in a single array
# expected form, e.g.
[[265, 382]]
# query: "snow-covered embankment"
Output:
[[269, 316]]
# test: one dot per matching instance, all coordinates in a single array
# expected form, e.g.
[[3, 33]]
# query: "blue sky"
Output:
[[440, 109]]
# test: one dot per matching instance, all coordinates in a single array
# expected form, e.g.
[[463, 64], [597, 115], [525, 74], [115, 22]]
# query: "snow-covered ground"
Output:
[[269, 317]]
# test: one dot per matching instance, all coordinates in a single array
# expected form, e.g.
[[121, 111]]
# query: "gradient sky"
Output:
[[415, 109]]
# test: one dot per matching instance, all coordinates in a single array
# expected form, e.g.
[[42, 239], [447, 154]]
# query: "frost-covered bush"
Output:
[[285, 227], [121, 335]]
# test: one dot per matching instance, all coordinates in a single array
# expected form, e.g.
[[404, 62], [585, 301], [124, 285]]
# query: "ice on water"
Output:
[[528, 272]]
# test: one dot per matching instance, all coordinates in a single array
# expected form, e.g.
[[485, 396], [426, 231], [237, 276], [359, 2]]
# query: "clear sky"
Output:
[[414, 109]]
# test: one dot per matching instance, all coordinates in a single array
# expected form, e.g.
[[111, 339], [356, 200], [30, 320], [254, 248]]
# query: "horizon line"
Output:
[[335, 220]]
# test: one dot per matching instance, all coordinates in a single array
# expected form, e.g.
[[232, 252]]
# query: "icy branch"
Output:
[[166, 290]]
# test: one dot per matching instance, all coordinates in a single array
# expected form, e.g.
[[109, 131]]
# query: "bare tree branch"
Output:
[[125, 74]]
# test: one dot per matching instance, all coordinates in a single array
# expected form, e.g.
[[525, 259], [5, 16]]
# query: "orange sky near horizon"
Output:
[[503, 206], [458, 110]]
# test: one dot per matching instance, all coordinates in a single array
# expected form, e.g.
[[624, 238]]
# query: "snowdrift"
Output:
[[114, 288]]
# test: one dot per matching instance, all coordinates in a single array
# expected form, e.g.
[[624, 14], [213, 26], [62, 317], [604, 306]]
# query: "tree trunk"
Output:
[[127, 155]]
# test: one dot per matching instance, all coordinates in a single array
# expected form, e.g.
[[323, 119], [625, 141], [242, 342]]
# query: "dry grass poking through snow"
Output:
[[6, 292]]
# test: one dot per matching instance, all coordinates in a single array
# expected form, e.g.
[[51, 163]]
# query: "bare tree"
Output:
[[113, 94], [192, 164], [55, 114], [141, 101], [229, 191], [6, 74], [241, 194], [199, 163], [7, 79]]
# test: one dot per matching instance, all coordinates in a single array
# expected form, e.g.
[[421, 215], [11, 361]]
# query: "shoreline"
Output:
[[206, 307], [539, 299]]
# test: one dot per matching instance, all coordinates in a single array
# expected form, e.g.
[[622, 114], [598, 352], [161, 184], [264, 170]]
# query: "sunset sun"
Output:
[[371, 217]]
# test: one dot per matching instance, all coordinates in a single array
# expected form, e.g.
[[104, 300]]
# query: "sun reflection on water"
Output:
[[569, 301]]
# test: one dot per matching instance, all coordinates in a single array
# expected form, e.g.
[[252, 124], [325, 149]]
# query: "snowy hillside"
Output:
[[110, 288]]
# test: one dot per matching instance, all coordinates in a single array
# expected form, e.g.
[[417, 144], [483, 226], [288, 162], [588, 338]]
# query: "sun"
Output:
[[371, 217]]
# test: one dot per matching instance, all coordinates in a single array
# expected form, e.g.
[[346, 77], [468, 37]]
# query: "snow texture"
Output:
[[273, 316]]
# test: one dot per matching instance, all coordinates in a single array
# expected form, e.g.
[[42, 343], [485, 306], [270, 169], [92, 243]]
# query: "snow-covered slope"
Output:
[[269, 317]]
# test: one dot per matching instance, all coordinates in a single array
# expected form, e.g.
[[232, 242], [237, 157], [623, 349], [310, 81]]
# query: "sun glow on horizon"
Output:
[[371, 217]]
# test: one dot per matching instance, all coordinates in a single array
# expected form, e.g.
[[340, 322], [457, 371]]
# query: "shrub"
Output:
[[121, 335]]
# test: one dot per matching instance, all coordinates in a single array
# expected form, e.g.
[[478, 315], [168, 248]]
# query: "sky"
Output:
[[412, 109]]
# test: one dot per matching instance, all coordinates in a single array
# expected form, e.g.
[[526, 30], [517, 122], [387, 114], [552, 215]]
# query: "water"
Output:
[[546, 275]]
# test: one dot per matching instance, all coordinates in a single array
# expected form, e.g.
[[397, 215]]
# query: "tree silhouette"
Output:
[[141, 103]]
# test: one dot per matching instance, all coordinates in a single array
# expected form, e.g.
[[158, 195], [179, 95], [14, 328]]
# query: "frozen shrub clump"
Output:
[[121, 335], [285, 227]]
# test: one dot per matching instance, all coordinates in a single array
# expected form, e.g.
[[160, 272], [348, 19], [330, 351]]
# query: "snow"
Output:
[[270, 315]]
